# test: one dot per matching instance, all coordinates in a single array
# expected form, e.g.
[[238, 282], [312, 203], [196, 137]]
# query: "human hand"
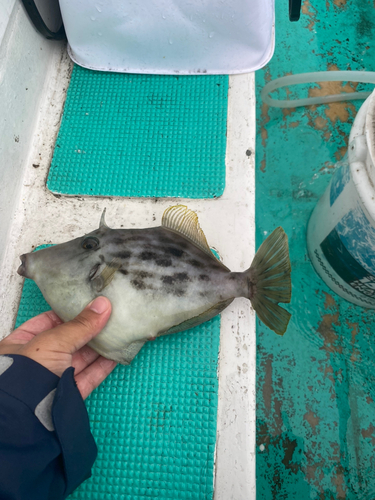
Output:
[[57, 345]]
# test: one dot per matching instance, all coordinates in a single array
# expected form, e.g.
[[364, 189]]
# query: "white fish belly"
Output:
[[139, 315]]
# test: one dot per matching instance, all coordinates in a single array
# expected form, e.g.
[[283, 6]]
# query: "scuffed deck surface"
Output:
[[315, 385]]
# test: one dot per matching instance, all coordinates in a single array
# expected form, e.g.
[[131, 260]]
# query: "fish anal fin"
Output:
[[197, 320], [123, 355], [107, 275]]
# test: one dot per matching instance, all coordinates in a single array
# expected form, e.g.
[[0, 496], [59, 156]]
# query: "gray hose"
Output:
[[318, 76]]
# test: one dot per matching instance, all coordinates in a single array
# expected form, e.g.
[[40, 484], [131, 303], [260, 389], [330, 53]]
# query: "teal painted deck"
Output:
[[315, 385]]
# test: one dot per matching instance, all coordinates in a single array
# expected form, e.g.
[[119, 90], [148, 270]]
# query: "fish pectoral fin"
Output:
[[197, 320], [106, 276]]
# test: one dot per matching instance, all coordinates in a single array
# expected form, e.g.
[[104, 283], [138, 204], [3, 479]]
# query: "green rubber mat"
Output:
[[154, 421], [141, 135]]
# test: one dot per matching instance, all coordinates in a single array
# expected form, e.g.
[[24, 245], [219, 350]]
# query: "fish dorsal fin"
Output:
[[182, 220]]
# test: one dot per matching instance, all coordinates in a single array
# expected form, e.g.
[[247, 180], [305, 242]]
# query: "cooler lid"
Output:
[[170, 36]]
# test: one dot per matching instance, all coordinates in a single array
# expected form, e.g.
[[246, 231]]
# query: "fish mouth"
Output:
[[22, 271], [94, 271]]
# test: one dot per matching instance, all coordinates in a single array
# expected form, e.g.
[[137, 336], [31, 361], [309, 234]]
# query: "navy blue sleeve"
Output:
[[46, 447]]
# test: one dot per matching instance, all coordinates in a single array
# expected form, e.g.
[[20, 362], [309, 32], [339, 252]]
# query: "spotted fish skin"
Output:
[[159, 262], [158, 280]]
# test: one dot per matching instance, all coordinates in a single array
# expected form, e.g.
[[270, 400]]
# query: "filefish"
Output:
[[160, 280]]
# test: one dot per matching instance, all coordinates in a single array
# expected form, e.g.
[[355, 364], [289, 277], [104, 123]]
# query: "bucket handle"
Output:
[[294, 10]]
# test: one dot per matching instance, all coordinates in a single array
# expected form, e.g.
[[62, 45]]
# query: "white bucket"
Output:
[[341, 230]]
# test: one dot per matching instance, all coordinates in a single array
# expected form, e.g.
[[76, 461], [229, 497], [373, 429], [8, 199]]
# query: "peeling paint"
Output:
[[320, 123], [312, 418], [369, 433], [308, 10], [340, 153], [340, 3], [335, 110]]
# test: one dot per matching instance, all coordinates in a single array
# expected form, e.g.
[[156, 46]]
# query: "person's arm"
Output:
[[46, 447]]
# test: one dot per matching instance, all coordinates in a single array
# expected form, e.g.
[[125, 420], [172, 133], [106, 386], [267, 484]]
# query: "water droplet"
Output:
[[98, 8], [211, 34], [314, 177], [170, 41], [164, 16], [92, 18], [203, 20], [262, 447]]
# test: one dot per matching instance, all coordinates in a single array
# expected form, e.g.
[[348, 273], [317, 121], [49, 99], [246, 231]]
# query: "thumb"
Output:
[[71, 336]]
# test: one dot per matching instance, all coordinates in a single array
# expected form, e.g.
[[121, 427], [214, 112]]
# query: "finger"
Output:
[[93, 375], [32, 327], [71, 336], [83, 358], [41, 323]]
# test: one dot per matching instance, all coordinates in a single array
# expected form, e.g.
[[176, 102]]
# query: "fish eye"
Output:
[[90, 243]]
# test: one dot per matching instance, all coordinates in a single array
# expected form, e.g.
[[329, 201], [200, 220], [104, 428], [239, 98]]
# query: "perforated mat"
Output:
[[154, 421], [141, 135]]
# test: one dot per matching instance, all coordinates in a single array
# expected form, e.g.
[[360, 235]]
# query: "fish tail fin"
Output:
[[269, 282]]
